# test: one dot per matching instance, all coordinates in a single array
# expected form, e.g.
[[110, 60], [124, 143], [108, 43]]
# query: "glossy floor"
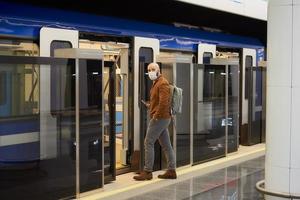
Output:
[[231, 183]]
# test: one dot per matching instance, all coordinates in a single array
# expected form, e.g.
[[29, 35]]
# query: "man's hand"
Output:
[[145, 103]]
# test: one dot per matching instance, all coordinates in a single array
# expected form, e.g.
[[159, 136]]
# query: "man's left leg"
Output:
[[165, 143]]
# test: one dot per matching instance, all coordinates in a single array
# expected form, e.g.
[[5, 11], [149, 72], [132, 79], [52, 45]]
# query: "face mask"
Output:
[[152, 75]]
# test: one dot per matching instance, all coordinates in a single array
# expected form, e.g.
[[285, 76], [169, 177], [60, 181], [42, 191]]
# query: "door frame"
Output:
[[47, 36], [140, 42]]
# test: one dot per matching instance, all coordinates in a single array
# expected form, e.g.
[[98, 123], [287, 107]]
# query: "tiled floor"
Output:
[[231, 183], [191, 181]]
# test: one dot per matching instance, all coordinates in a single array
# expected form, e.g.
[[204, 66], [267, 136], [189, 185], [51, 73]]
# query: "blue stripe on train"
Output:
[[21, 20], [19, 126], [27, 152]]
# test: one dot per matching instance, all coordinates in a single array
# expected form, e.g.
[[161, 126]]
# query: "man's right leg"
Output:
[[154, 130]]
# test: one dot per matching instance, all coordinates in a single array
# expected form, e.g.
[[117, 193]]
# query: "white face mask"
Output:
[[152, 75]]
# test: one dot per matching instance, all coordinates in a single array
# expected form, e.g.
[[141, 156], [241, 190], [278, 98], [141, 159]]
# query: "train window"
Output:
[[145, 57], [19, 89], [19, 85], [248, 65], [214, 81], [59, 45], [18, 47], [57, 102], [2, 88], [206, 57]]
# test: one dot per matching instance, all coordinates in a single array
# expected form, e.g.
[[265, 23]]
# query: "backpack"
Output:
[[175, 99]]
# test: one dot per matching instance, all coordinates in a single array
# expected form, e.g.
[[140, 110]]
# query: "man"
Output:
[[158, 127]]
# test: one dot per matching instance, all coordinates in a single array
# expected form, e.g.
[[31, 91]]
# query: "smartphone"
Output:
[[144, 102]]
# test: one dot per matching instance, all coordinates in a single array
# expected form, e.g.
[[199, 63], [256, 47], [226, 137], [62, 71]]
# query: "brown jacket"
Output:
[[160, 99]]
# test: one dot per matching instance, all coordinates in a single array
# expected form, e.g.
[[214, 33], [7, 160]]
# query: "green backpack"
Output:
[[175, 99]]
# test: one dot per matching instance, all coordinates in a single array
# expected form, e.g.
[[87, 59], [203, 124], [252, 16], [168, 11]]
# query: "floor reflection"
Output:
[[242, 188], [231, 183]]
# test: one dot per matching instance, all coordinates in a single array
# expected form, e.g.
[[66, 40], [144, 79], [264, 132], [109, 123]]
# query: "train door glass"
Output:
[[5, 93], [176, 68], [210, 114], [57, 170], [249, 60], [89, 117], [17, 47], [206, 57], [183, 132], [3, 86], [233, 107], [145, 58], [216, 111], [262, 88], [255, 81], [55, 94], [92, 121], [168, 71]]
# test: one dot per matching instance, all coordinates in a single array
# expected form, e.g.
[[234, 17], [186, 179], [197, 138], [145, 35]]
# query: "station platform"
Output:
[[232, 176]]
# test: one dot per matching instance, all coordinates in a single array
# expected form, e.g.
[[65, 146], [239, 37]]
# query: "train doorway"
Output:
[[145, 52], [116, 105], [145, 58]]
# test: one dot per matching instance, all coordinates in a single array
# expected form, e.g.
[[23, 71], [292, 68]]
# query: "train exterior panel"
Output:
[[21, 21]]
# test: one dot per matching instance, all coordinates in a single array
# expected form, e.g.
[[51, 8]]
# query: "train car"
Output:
[[27, 111]]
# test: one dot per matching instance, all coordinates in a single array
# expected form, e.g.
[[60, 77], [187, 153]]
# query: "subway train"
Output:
[[220, 74]]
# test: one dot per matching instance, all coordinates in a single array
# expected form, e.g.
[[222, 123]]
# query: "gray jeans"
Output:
[[158, 130]]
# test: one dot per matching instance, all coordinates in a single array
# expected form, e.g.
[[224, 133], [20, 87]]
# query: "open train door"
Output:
[[145, 52]]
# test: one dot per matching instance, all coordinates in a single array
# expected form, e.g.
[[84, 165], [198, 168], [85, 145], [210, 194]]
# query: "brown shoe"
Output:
[[169, 174], [144, 175]]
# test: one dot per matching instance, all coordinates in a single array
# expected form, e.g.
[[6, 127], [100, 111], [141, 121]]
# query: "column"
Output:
[[283, 98]]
